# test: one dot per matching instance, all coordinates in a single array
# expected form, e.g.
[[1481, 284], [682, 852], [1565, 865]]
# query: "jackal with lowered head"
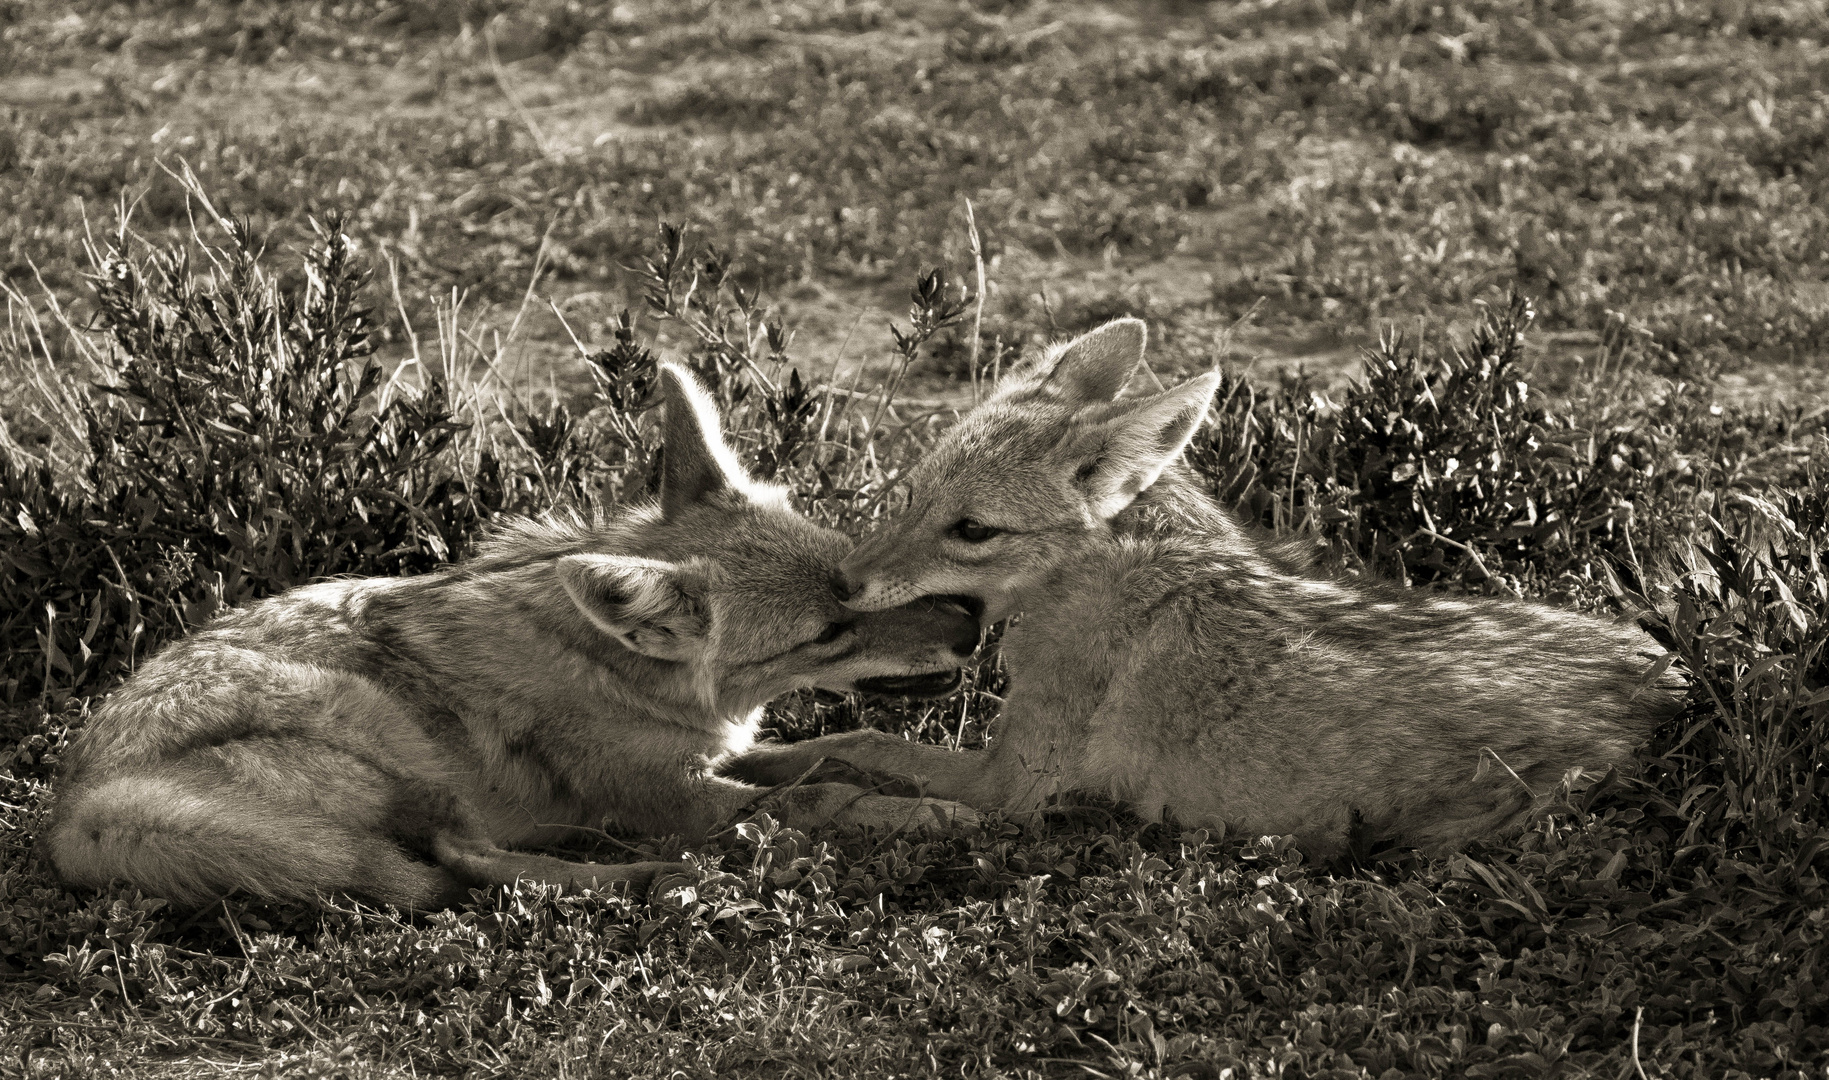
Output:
[[1172, 660], [393, 738]]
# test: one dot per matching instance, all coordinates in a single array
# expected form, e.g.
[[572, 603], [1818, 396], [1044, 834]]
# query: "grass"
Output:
[[393, 268], [1657, 161]]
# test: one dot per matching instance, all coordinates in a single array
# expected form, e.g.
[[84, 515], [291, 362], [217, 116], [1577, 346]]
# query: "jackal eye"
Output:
[[973, 531], [832, 632]]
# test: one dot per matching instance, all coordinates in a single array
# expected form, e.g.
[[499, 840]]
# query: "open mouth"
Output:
[[971, 604], [933, 684]]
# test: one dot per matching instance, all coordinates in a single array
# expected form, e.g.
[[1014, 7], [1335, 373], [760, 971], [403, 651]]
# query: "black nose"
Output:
[[841, 585]]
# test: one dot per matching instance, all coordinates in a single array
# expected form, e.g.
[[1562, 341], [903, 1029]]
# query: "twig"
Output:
[[169, 1039], [832, 408], [514, 100], [889, 388], [235, 928], [388, 391], [1494, 754], [743, 812], [1294, 468], [569, 332], [1479, 563], [598, 833], [865, 395], [856, 376], [1153, 377], [533, 279], [120, 975], [1638, 1018], [1226, 335], [971, 226]]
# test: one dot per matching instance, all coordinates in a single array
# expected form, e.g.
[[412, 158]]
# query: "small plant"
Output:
[[1451, 468]]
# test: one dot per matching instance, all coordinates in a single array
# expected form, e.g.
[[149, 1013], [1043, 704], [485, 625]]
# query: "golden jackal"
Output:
[[1168, 659], [389, 737]]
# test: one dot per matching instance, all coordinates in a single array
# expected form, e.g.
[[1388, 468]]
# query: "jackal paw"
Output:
[[758, 766], [952, 815], [637, 877], [932, 815], [766, 766], [770, 766]]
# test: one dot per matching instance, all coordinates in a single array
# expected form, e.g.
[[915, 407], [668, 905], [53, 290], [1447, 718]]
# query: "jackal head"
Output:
[[725, 580], [1019, 483]]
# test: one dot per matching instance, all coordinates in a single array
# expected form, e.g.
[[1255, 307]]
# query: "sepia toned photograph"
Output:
[[1018, 539]]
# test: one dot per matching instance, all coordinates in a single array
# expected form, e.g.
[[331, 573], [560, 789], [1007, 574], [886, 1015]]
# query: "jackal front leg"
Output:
[[985, 779], [803, 803], [476, 861]]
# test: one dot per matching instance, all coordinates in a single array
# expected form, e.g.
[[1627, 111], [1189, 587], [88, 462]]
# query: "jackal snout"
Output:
[[861, 583], [928, 619], [859, 588]]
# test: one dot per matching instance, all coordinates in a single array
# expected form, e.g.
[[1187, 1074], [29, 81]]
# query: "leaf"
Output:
[[1613, 867]]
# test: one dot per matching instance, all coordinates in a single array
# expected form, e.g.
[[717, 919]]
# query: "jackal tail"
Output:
[[172, 837]]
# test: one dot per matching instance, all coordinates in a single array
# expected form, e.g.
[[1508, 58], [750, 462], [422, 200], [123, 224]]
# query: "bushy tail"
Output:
[[168, 837]]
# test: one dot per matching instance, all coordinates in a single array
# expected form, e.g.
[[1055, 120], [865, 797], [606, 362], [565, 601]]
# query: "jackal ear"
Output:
[[1093, 367], [696, 463], [655, 608], [1122, 456]]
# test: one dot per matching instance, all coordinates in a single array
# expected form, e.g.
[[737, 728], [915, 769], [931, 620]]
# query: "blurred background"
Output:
[[1274, 181]]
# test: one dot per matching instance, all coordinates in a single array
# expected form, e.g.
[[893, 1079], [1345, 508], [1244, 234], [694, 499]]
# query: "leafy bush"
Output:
[[1448, 468], [239, 439]]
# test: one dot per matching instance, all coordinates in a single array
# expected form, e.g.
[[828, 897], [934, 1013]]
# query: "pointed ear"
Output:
[[1093, 367], [655, 608], [1122, 456], [696, 464]]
